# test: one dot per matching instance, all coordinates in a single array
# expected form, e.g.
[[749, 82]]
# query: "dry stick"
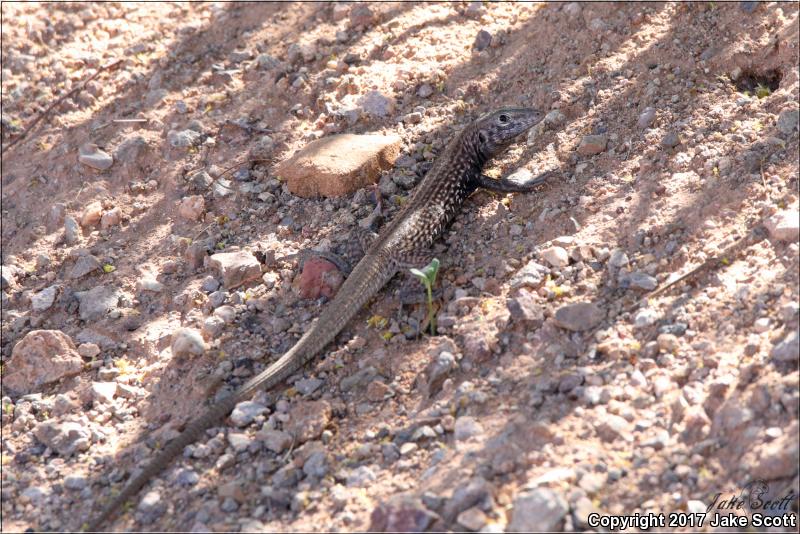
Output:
[[110, 66]]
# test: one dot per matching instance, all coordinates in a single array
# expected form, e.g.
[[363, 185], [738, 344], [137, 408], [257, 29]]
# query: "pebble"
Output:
[[85, 264], [104, 391], [466, 427], [239, 441], [579, 316], [41, 357], [92, 214], [72, 233], [360, 477], [784, 225], [671, 140], [761, 325], [235, 268], [482, 40], [788, 349], [538, 510], [75, 482], [472, 519], [788, 120], [275, 440], [187, 477], [612, 427], [524, 308], [188, 342], [638, 280], [307, 386], [618, 258], [646, 118], [425, 90], [555, 256], [42, 300], [645, 317], [91, 156], [191, 208], [245, 412], [592, 144], [377, 104], [65, 438], [668, 343], [183, 138], [532, 274]]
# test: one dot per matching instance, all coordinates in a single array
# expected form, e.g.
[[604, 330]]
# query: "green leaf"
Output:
[[418, 273]]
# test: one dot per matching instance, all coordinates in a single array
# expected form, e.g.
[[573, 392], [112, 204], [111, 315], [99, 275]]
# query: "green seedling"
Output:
[[762, 91], [428, 277]]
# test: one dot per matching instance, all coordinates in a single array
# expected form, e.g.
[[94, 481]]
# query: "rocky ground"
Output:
[[151, 231]]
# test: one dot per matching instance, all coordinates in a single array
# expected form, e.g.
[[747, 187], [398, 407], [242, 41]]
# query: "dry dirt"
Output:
[[658, 408]]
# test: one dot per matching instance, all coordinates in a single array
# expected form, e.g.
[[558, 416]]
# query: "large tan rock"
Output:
[[41, 357], [339, 164]]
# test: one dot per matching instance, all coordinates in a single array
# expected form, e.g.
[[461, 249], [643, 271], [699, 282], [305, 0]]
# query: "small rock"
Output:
[[183, 138], [524, 308], [42, 300], [612, 427], [532, 274], [592, 144], [319, 277], [110, 218], [192, 208], [788, 120], [41, 357], [618, 258], [239, 441], [784, 225], [360, 477], [555, 256], [668, 343], [361, 15], [307, 420], [472, 519], [72, 233], [467, 427], [646, 118], [425, 90], [401, 513], [152, 506], [538, 510], [307, 386], [645, 317], [187, 342], [244, 413], [187, 477], [65, 438], [671, 140], [235, 268], [275, 440], [92, 215], [104, 391], [339, 164], [638, 280], [91, 156], [75, 482], [376, 104], [482, 40], [788, 350], [96, 303], [579, 316], [85, 264]]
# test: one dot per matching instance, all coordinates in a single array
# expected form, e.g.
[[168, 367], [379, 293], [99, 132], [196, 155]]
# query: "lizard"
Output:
[[455, 175]]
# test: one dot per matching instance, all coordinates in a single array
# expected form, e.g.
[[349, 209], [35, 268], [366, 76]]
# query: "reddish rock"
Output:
[[308, 420], [319, 277], [41, 357], [338, 164]]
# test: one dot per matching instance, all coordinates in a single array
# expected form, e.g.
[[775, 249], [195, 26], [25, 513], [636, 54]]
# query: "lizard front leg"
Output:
[[504, 185]]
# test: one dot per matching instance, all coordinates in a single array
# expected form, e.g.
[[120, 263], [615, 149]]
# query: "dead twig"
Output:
[[110, 66]]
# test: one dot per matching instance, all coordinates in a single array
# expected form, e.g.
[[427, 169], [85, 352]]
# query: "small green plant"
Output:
[[428, 277], [762, 91]]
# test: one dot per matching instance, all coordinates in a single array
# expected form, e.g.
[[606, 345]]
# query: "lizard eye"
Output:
[[503, 118]]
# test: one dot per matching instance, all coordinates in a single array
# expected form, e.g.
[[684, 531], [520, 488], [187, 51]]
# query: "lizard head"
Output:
[[495, 131]]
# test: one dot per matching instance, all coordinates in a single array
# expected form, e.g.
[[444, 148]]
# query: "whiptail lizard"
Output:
[[455, 175]]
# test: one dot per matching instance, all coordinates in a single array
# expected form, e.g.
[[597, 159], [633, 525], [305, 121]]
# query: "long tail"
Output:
[[371, 273]]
